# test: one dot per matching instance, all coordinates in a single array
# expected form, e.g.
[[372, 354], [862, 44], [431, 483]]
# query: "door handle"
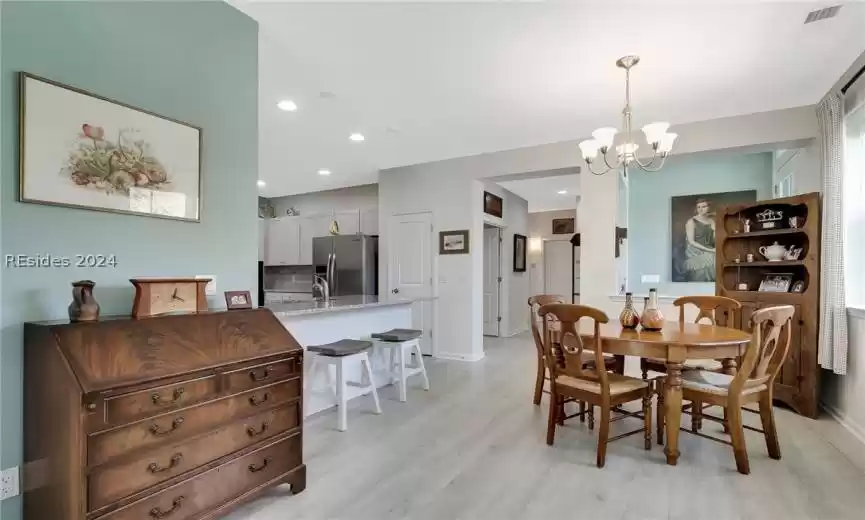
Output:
[[396, 291]]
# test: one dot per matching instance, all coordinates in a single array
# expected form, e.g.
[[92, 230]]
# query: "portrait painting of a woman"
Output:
[[693, 233]]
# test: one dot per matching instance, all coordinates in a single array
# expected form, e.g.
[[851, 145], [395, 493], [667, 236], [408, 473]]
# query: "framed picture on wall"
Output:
[[563, 226], [454, 242], [81, 150], [519, 253], [493, 204], [692, 233]]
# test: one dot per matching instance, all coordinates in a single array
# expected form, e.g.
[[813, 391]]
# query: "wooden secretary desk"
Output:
[[180, 417]]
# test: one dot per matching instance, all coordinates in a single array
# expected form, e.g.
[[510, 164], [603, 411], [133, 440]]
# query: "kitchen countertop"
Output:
[[337, 304]]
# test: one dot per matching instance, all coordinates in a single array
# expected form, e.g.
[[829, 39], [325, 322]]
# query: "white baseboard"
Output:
[[452, 356], [848, 424]]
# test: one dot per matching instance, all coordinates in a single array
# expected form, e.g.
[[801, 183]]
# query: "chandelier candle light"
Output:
[[626, 153]]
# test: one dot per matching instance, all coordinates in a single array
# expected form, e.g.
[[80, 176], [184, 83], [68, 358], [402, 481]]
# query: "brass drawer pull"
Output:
[[159, 513], [264, 374], [175, 424], [159, 401], [252, 433], [173, 463], [254, 401], [255, 469]]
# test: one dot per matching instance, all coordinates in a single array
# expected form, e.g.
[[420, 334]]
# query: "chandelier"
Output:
[[626, 153]]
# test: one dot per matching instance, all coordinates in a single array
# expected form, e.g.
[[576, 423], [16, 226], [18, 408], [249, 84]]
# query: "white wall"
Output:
[[450, 189], [515, 286], [541, 230], [843, 395], [356, 197], [803, 163]]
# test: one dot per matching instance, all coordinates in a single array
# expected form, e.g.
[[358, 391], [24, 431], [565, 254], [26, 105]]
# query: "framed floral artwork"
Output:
[[85, 151]]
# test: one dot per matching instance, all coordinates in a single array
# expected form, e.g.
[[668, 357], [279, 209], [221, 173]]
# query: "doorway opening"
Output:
[[492, 280]]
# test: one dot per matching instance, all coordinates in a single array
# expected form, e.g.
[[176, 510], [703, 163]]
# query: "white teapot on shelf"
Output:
[[774, 253]]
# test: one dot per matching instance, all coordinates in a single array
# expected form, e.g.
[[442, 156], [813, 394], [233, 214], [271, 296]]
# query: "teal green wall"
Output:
[[649, 209], [192, 61]]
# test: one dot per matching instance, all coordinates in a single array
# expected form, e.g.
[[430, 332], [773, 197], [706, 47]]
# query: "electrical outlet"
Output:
[[210, 288], [9, 483]]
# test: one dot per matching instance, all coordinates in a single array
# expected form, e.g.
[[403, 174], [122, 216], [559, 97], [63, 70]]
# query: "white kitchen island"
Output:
[[344, 317]]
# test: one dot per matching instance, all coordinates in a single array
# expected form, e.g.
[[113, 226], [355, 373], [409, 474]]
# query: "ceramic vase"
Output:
[[629, 317], [84, 306], [653, 318]]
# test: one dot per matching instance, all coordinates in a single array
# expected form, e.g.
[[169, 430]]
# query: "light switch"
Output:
[[651, 278]]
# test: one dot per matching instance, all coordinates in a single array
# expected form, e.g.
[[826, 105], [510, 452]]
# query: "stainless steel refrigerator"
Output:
[[349, 263]]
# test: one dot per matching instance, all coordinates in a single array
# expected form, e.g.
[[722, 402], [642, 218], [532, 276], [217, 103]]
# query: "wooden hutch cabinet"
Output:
[[794, 224]]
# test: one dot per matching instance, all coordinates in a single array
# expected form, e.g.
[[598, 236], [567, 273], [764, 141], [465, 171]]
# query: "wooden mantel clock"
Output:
[[154, 296]]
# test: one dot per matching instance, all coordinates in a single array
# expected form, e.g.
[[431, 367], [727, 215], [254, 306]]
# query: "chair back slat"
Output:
[[708, 307], [568, 316], [535, 303], [768, 349]]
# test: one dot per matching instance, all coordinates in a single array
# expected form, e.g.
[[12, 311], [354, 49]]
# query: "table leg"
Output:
[[673, 403], [730, 366], [620, 364]]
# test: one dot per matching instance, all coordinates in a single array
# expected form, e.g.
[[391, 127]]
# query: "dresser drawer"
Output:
[[115, 481], [194, 497], [186, 422], [147, 403], [262, 374]]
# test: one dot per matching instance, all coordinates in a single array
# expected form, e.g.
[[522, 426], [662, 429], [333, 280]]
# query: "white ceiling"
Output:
[[430, 81], [542, 193]]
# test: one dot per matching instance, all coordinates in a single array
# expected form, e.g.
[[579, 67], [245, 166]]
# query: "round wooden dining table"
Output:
[[674, 344]]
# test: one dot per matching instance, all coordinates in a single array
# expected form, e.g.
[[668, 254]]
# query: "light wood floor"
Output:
[[473, 448]]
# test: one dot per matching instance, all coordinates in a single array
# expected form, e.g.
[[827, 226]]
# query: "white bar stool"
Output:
[[337, 354], [401, 343]]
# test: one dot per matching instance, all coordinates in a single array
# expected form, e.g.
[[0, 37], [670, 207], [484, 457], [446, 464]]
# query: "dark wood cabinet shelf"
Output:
[[782, 263], [798, 383], [767, 233]]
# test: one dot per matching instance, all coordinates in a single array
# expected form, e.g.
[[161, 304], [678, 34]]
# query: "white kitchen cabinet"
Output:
[[349, 221], [283, 235], [262, 238], [369, 221], [311, 227]]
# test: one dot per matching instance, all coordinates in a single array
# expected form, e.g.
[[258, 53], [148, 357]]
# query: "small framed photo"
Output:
[[798, 286], [238, 300], [454, 242], [776, 282]]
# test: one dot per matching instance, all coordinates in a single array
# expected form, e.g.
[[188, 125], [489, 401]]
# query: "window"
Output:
[[854, 207]]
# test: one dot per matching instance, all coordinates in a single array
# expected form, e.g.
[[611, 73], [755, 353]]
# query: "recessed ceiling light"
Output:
[[356, 137], [287, 105], [562, 192], [261, 184], [324, 172]]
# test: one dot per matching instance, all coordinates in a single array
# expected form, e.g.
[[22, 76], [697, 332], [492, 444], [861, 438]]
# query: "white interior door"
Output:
[[492, 280], [410, 268], [557, 267]]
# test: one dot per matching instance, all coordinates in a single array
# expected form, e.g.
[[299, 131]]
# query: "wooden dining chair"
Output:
[[708, 307], [542, 376], [572, 379], [754, 383]]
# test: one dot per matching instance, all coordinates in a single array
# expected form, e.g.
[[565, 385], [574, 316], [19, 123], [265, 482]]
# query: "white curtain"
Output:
[[832, 347]]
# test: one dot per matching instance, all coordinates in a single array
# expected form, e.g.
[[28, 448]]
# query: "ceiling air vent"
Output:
[[822, 14]]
